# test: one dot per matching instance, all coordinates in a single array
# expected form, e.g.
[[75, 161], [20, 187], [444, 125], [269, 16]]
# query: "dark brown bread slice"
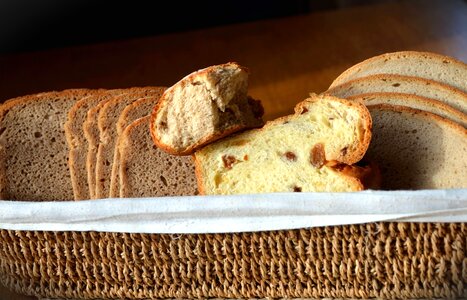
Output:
[[77, 142], [147, 171], [107, 119], [138, 109], [417, 150], [33, 146]]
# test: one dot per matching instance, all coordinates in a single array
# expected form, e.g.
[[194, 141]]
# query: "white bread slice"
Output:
[[106, 121], [147, 171], [417, 149], [77, 142], [402, 84], [412, 101], [203, 107], [293, 153], [33, 148], [138, 109], [426, 65]]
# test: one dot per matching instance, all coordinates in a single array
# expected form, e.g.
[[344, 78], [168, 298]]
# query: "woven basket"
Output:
[[387, 260]]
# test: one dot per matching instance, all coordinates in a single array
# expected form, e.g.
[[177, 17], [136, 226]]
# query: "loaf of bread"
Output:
[[138, 109], [33, 147], [426, 65], [417, 150], [147, 171], [203, 107], [303, 152], [106, 122], [78, 143], [412, 101], [402, 84]]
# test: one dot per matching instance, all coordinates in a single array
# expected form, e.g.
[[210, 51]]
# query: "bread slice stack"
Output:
[[51, 144], [418, 103]]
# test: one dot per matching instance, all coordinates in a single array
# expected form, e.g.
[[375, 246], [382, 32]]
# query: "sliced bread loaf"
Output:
[[147, 171], [412, 101], [296, 153], [33, 147], [138, 109], [203, 107], [107, 120], [417, 149], [402, 84], [77, 142], [426, 65]]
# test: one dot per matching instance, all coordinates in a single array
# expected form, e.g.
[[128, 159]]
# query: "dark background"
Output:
[[27, 25]]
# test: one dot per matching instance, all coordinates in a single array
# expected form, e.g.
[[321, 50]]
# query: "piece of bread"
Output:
[[33, 147], [77, 142], [106, 121], [303, 152], [203, 107], [138, 109], [402, 84], [147, 171], [412, 101], [91, 133], [417, 149], [426, 65]]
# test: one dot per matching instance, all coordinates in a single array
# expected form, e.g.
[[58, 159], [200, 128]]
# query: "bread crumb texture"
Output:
[[290, 153]]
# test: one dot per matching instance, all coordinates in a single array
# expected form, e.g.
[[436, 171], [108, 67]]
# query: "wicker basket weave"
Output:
[[388, 260]]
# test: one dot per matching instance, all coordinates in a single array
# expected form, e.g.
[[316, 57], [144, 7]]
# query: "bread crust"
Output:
[[347, 159], [454, 114], [459, 95], [206, 140], [342, 78]]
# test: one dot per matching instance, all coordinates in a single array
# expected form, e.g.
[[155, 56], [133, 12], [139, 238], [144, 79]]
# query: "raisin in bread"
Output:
[[204, 106], [304, 152], [417, 150], [426, 65]]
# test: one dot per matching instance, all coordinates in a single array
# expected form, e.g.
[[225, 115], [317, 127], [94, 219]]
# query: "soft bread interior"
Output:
[[291, 153], [202, 105]]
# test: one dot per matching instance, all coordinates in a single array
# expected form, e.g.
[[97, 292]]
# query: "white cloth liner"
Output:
[[237, 213]]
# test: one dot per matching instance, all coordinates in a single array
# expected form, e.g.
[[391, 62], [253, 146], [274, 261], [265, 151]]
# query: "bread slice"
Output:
[[417, 149], [77, 142], [91, 133], [203, 107], [412, 101], [147, 171], [426, 65], [138, 109], [402, 84], [107, 120], [297, 153], [33, 148]]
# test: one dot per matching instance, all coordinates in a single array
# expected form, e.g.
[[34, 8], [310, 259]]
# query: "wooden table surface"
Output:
[[288, 58]]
